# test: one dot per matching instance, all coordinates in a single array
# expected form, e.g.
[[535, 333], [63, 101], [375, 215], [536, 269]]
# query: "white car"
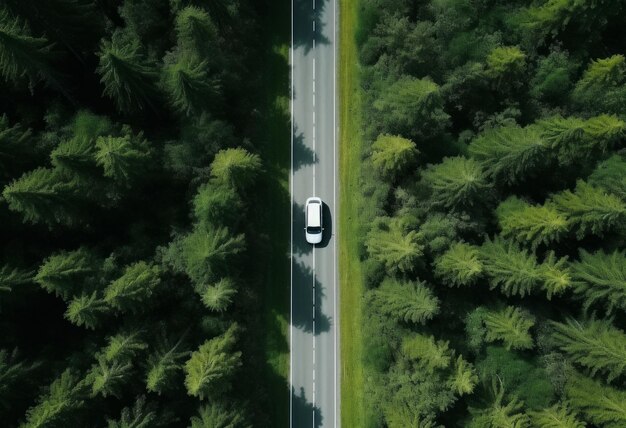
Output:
[[313, 220]]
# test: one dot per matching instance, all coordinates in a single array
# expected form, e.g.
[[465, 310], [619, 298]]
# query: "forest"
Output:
[[130, 160], [493, 233]]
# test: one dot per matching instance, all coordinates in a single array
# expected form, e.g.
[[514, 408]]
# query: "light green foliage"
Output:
[[65, 395], [604, 131], [137, 284], [531, 225], [393, 155], [216, 204], [460, 265], [108, 378], [412, 108], [22, 55], [510, 325], [463, 379], [595, 345], [590, 209], [556, 275], [505, 63], [209, 370], [601, 277], [124, 346], [600, 404], [188, 84], [510, 154], [392, 244], [601, 88], [123, 158], [12, 277], [456, 183], [406, 301], [219, 296], [139, 416], [12, 373], [557, 416], [44, 196], [429, 354], [216, 415], [86, 310], [610, 175], [603, 71], [127, 77], [163, 365], [204, 253], [65, 273], [237, 167], [501, 413], [512, 270]]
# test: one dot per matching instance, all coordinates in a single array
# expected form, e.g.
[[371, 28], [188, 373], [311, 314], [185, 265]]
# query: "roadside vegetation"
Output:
[[137, 140], [494, 208]]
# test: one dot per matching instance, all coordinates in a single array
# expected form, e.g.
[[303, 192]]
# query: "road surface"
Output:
[[314, 317]]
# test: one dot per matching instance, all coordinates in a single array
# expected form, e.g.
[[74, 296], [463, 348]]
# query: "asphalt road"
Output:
[[314, 317]]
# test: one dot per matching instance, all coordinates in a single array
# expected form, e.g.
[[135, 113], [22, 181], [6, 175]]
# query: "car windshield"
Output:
[[313, 229]]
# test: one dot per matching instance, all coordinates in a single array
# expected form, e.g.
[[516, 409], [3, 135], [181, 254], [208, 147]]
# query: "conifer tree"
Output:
[[610, 175], [429, 354], [396, 248], [393, 155], [600, 404], [14, 147], [65, 273], [87, 310], [163, 365], [456, 183], [12, 277], [556, 275], [219, 296], [215, 203], [460, 265], [590, 209], [406, 301], [557, 416], [505, 64], [216, 415], [123, 158], [500, 413], [510, 325], [601, 277], [139, 416], [127, 77], [595, 345], [463, 379], [601, 87], [12, 373], [65, 395], [510, 154], [236, 167], [108, 378], [196, 33], [209, 370], [124, 346], [511, 270], [133, 288]]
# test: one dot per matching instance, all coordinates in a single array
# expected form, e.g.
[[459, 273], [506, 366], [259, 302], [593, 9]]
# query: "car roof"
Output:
[[314, 214]]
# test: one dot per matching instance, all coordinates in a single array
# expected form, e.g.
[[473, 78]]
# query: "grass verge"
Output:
[[350, 280]]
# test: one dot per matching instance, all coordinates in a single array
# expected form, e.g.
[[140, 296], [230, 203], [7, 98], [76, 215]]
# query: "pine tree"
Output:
[[510, 154], [566, 136], [216, 204], [75, 154], [511, 270], [463, 379], [590, 209], [123, 159], [127, 77], [163, 365], [600, 404], [86, 310], [219, 296], [108, 378], [124, 346], [216, 415], [505, 64], [22, 55], [511, 326], [209, 370], [237, 167], [601, 87], [133, 288], [398, 249], [601, 277], [139, 416], [13, 277], [393, 156], [557, 416], [532, 225], [196, 33], [595, 345], [500, 414], [460, 265], [66, 272], [14, 147], [65, 396], [406, 301], [610, 175], [456, 183], [429, 354], [555, 275], [12, 373]]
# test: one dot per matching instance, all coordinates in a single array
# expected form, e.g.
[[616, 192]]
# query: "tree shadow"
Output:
[[303, 17], [302, 303], [304, 414], [300, 246], [302, 154]]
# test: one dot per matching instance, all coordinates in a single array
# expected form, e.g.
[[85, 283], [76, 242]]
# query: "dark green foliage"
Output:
[[216, 203], [86, 310], [163, 366], [216, 415], [12, 373], [64, 273], [13, 277], [135, 286], [109, 377], [610, 175], [139, 416], [122, 158], [553, 77], [406, 301], [601, 87]]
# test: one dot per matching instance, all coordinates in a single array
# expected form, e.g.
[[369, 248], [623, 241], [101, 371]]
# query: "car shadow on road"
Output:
[[300, 246], [302, 304], [327, 218], [304, 414]]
